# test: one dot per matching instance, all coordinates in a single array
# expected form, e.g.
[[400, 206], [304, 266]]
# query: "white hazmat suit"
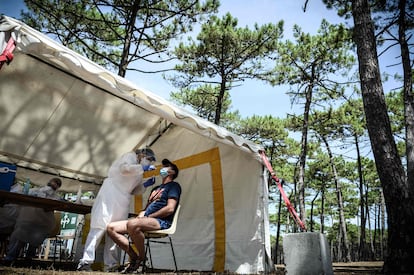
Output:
[[112, 204]]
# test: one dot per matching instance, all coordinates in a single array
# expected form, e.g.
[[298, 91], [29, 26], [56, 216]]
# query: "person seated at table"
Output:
[[33, 224], [9, 213], [49, 191], [8, 216]]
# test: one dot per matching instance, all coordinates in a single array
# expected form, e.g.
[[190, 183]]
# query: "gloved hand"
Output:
[[149, 182], [148, 167]]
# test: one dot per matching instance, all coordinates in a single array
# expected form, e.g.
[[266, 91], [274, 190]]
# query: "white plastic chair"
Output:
[[154, 236]]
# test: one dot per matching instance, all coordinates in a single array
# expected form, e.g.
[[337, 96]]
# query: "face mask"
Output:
[[145, 163], [164, 172]]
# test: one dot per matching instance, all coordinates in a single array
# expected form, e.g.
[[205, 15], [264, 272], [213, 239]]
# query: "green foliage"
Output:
[[351, 114], [226, 51], [395, 107], [353, 232], [313, 60], [116, 33], [76, 24], [271, 133], [203, 100], [320, 177], [343, 7], [266, 130], [225, 55]]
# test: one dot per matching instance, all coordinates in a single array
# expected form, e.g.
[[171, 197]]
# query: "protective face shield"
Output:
[[164, 172], [148, 153]]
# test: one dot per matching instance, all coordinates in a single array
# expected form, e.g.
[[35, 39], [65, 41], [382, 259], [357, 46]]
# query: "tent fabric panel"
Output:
[[244, 221], [24, 104], [35, 43], [263, 205], [189, 256], [66, 122], [177, 143]]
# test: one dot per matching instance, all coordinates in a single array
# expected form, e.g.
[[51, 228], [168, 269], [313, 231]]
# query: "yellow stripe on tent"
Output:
[[213, 158]]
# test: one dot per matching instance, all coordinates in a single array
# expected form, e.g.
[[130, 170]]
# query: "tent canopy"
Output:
[[64, 115]]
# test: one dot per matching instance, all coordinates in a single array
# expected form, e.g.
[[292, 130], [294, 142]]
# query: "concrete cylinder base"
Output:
[[307, 253]]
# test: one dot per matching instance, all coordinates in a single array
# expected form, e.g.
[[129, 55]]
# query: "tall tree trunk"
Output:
[[376, 214], [378, 248], [311, 213], [342, 222], [383, 209], [398, 197], [362, 203], [123, 65], [279, 212], [303, 153], [408, 96], [323, 207], [339, 245], [369, 249], [371, 238], [220, 98]]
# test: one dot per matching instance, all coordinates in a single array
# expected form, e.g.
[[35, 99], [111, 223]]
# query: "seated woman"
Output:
[[158, 214]]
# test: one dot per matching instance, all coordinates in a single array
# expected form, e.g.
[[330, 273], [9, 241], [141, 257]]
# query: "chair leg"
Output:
[[148, 251], [54, 252], [124, 258], [172, 250], [61, 241]]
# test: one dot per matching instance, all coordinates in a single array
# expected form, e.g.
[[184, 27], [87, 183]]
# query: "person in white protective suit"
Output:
[[112, 203]]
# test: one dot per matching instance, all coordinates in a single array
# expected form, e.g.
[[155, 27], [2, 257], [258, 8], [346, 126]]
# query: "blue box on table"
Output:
[[7, 175]]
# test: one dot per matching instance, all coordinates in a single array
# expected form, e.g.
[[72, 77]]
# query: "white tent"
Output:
[[62, 114]]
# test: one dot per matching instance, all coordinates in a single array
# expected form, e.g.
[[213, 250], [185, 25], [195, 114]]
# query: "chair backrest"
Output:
[[171, 229], [173, 226]]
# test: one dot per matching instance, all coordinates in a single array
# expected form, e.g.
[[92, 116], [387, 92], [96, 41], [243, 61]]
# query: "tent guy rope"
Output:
[[7, 54], [291, 209]]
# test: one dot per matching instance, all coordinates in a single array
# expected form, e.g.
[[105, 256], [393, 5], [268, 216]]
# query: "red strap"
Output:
[[7, 55], [282, 192]]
